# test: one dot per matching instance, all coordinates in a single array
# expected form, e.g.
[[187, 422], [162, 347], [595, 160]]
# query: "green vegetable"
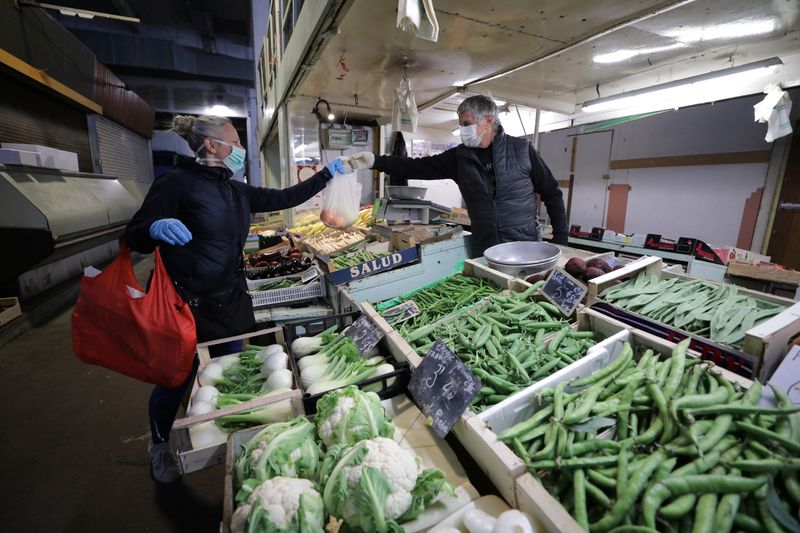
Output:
[[717, 312], [280, 504], [282, 449], [348, 415], [375, 485]]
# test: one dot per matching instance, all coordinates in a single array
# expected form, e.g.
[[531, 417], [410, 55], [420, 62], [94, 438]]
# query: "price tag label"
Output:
[[400, 313], [443, 387], [564, 291], [365, 334], [309, 275]]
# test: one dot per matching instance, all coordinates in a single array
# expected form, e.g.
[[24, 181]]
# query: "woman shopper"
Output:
[[200, 218]]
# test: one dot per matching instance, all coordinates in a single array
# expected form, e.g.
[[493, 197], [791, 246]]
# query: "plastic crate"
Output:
[[253, 284], [399, 377], [261, 299]]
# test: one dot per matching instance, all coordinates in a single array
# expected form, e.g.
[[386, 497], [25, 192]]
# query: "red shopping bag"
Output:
[[151, 338]]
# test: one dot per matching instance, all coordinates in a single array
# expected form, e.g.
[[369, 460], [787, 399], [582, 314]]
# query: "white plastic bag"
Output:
[[419, 17], [340, 201], [775, 110], [404, 114]]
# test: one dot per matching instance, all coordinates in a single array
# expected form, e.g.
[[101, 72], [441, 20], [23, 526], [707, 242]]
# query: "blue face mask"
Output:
[[235, 160]]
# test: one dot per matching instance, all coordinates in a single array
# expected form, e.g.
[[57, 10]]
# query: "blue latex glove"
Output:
[[335, 167], [171, 231]]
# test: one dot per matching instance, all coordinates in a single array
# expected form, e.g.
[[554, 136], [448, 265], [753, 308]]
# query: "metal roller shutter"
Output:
[[121, 153], [30, 116]]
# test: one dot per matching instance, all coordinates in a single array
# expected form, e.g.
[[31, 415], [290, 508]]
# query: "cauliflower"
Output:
[[375, 485], [280, 504], [348, 415], [282, 449]]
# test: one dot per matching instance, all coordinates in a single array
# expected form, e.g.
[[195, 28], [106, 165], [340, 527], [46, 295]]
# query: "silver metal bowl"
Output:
[[522, 258], [406, 193]]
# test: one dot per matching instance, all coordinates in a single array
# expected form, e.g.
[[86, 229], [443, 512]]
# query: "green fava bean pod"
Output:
[[636, 486]]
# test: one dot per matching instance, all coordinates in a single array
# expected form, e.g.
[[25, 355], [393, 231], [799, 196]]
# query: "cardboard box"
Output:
[[655, 241], [49, 157], [9, 310]]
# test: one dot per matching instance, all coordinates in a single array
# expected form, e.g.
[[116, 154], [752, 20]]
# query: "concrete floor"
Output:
[[74, 451]]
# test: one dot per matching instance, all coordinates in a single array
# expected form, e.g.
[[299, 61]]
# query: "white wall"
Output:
[[693, 201], [704, 202]]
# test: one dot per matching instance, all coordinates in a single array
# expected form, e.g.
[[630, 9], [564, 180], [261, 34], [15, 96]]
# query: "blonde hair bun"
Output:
[[183, 125]]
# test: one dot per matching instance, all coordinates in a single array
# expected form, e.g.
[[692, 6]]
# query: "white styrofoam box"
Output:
[[521, 406], [49, 157], [785, 378], [9, 156], [610, 335], [442, 192]]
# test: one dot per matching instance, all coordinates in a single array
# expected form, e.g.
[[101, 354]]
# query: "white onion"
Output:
[[477, 521], [513, 521]]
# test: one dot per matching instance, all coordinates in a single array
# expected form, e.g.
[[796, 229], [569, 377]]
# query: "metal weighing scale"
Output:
[[418, 211]]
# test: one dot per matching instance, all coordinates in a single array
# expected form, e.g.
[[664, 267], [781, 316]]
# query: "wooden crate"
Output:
[[193, 459], [9, 310], [546, 512], [478, 434], [763, 272], [764, 345], [414, 435]]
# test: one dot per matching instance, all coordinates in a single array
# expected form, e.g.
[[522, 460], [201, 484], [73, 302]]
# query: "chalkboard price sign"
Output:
[[564, 291], [443, 388], [365, 334], [400, 313]]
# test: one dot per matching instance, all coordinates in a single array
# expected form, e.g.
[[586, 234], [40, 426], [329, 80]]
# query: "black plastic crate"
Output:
[[309, 328]]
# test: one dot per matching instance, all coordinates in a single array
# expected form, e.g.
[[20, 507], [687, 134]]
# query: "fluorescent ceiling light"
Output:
[[456, 132], [732, 30], [499, 103], [87, 14], [220, 110], [668, 95], [622, 55]]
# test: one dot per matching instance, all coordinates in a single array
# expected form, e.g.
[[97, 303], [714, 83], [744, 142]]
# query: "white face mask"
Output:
[[469, 136]]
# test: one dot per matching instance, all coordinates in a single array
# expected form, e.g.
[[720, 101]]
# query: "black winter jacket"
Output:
[[208, 270], [502, 215]]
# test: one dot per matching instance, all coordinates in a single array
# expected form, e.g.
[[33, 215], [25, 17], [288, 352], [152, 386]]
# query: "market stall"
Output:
[[547, 425]]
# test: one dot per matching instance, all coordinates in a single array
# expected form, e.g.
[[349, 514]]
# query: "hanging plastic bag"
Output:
[[775, 110], [404, 113], [419, 17], [150, 337], [341, 199]]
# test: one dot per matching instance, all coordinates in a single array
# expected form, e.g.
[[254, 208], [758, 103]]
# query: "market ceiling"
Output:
[[565, 52]]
